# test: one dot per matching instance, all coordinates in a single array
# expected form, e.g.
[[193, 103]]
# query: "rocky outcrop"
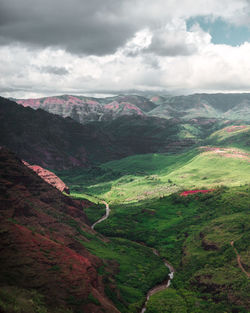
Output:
[[49, 177]]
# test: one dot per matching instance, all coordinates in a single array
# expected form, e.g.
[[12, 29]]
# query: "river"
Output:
[[104, 217], [156, 288]]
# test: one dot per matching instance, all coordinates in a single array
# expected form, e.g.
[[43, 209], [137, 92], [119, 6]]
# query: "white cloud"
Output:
[[162, 53], [159, 12]]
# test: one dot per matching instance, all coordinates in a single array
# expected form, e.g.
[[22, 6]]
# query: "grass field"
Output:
[[232, 136], [147, 176]]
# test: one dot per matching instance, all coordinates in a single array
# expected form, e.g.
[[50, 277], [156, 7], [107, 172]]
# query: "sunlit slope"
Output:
[[213, 167], [154, 175], [234, 136]]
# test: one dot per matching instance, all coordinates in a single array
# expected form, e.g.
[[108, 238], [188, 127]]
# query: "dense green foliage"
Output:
[[194, 234], [167, 301], [138, 269], [18, 300]]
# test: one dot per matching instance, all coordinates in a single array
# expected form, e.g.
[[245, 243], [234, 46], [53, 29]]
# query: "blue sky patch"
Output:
[[221, 31]]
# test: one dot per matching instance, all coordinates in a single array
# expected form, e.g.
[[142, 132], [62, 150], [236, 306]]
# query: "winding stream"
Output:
[[159, 287], [104, 217], [156, 288]]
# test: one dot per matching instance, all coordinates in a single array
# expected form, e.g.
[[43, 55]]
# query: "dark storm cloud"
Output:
[[54, 70], [169, 49], [80, 26], [171, 43]]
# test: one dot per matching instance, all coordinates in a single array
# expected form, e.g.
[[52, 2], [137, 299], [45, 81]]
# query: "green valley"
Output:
[[194, 233], [154, 175], [177, 195]]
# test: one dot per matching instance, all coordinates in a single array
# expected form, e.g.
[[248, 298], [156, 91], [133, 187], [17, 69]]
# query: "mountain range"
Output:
[[54, 142], [87, 109]]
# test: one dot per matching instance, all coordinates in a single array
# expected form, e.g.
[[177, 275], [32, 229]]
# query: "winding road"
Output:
[[156, 288]]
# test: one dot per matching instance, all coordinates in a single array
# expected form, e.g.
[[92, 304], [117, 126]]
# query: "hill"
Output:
[[204, 236], [54, 142], [232, 136], [48, 140], [41, 259], [153, 175], [226, 106], [52, 261], [87, 109]]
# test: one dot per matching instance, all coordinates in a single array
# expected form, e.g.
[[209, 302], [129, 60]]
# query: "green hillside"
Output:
[[227, 106], [194, 234], [153, 175], [232, 136]]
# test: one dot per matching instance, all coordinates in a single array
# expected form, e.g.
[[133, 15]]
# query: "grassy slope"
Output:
[[238, 137], [194, 234], [153, 175]]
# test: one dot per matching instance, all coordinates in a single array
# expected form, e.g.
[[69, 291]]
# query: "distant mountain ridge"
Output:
[[53, 142], [226, 106], [86, 109]]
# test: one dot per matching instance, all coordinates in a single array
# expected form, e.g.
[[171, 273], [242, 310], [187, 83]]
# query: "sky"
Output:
[[79, 46]]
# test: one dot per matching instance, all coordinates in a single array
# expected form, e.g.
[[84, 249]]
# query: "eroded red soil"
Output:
[[49, 177], [191, 192], [235, 128], [227, 152], [41, 238]]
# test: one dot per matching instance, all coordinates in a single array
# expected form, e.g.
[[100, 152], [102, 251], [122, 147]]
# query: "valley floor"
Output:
[[150, 203]]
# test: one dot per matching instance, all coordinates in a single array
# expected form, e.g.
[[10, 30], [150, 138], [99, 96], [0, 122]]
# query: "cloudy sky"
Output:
[[50, 47]]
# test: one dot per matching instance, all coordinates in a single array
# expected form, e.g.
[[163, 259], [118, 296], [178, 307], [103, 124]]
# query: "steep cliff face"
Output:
[[40, 242], [49, 177]]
